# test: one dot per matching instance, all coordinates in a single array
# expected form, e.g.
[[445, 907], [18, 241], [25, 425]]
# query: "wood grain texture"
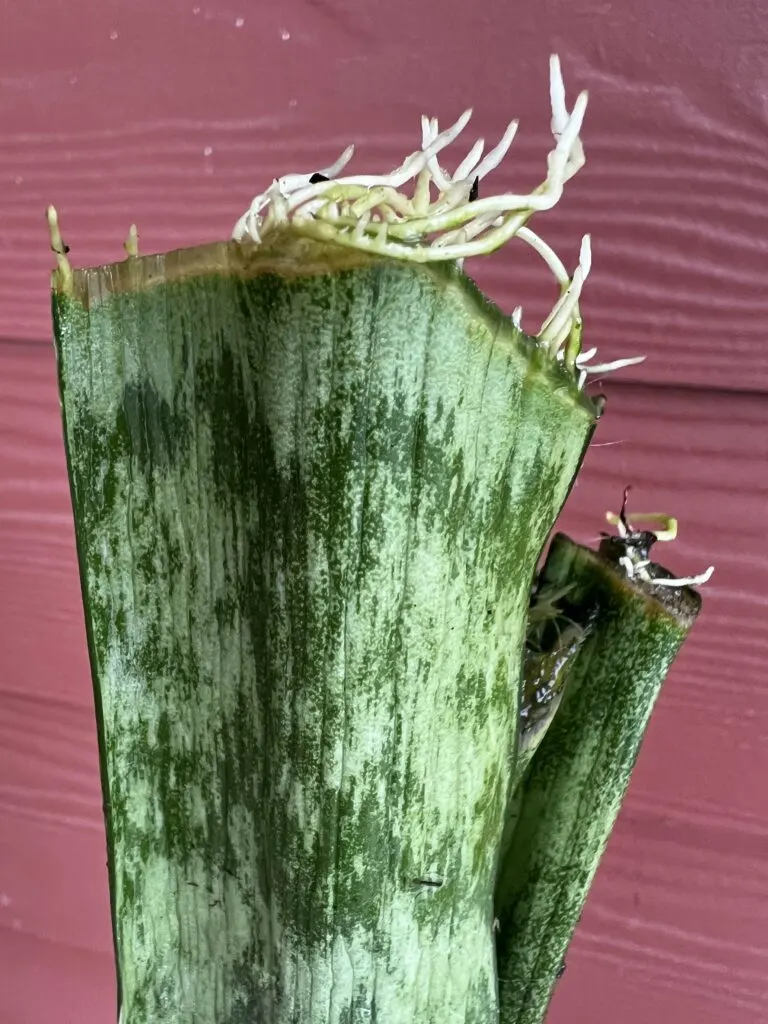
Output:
[[175, 115], [675, 926]]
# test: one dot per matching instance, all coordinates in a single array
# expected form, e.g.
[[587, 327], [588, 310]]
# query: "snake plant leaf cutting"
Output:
[[312, 471], [310, 492], [632, 618]]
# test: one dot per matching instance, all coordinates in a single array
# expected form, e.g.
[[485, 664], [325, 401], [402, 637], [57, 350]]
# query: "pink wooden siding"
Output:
[[173, 114]]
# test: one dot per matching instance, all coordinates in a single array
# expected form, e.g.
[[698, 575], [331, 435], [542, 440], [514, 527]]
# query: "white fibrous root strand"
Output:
[[587, 369], [686, 581], [131, 244], [59, 249], [442, 216], [561, 330], [634, 564]]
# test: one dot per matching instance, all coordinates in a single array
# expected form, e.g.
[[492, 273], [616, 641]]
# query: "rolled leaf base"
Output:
[[567, 804]]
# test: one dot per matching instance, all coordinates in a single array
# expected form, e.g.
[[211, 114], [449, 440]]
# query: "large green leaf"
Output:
[[310, 488]]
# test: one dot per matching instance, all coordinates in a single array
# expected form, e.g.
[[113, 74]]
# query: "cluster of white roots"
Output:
[[637, 568], [443, 217]]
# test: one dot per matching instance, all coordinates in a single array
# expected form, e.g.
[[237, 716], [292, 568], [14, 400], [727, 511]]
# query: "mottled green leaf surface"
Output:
[[310, 489], [570, 796]]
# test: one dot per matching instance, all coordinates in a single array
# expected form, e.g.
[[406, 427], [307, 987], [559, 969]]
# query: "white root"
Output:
[[441, 220], [637, 568]]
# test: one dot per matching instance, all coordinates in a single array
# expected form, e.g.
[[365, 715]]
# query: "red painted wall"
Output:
[[174, 115]]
